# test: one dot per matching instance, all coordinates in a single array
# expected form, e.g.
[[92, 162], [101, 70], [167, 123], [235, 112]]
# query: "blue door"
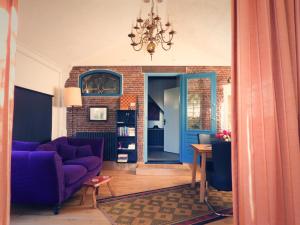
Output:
[[198, 110]]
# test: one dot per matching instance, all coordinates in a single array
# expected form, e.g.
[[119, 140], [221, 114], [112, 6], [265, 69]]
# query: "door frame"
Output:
[[146, 80]]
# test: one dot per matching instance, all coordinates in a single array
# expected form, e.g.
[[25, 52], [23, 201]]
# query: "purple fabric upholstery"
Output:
[[89, 162], [59, 141], [83, 151], [37, 177], [24, 145], [67, 151], [97, 145], [73, 173], [47, 147], [69, 190], [40, 177]]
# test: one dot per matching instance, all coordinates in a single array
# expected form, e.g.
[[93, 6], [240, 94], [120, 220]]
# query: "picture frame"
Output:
[[98, 113]]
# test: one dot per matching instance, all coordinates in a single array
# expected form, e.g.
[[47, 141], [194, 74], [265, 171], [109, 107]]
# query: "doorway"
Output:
[[187, 107], [163, 131]]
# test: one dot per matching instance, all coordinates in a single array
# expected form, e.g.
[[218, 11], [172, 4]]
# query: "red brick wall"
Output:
[[133, 84]]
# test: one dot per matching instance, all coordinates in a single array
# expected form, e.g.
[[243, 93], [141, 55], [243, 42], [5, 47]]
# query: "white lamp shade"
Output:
[[72, 97]]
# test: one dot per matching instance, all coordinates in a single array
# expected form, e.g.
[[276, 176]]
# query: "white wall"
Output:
[[156, 88], [203, 35], [95, 33], [39, 74]]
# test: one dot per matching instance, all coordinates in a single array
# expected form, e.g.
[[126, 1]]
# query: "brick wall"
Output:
[[133, 84]]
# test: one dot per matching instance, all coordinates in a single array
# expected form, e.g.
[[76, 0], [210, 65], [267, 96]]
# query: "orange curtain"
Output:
[[266, 84], [8, 32]]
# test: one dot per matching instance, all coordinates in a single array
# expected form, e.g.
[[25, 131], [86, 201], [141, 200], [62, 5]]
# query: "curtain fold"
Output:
[[266, 109], [8, 33]]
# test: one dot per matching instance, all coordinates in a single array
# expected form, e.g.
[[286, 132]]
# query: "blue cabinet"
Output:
[[126, 136]]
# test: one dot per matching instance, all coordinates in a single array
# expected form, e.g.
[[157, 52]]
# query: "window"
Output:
[[199, 104], [101, 83]]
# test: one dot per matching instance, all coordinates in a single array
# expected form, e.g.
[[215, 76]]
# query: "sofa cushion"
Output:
[[89, 162], [59, 141], [67, 152], [73, 173], [83, 151], [24, 145], [47, 147], [97, 144]]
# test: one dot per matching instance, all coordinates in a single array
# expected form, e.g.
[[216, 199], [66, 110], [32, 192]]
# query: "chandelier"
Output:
[[151, 32]]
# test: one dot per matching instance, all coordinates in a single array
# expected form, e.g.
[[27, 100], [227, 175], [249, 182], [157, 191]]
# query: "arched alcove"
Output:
[[100, 83]]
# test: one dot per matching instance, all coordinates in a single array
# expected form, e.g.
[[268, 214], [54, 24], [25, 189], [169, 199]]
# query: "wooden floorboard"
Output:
[[163, 169], [123, 182]]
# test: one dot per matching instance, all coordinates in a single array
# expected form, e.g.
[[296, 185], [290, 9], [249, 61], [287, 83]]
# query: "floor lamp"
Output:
[[72, 98]]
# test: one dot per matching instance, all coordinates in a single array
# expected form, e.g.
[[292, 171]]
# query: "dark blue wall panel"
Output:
[[32, 115]]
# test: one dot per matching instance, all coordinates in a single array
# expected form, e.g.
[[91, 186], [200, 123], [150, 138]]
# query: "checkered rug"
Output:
[[174, 205]]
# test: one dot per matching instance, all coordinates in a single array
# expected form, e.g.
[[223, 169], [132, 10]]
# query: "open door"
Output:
[[171, 118], [198, 109]]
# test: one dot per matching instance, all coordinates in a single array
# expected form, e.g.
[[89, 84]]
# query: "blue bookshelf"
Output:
[[126, 136]]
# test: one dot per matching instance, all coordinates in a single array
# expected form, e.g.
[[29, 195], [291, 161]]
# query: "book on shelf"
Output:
[[126, 131], [127, 149], [131, 146], [122, 158]]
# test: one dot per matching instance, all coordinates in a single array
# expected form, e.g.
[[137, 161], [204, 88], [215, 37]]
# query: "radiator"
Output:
[[109, 142]]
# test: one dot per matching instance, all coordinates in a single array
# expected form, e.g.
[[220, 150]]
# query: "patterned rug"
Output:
[[174, 205]]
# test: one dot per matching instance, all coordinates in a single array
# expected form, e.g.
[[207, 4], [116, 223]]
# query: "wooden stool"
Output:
[[95, 183]]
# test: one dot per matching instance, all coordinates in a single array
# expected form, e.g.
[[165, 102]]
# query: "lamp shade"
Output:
[[72, 97]]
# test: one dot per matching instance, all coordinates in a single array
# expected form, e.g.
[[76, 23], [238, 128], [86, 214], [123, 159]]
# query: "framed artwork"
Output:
[[98, 113], [128, 102]]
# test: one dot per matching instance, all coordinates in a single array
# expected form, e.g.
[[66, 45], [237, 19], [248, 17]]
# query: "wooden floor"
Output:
[[123, 182]]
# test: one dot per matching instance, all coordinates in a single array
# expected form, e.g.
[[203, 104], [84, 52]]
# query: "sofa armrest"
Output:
[[97, 145], [37, 178]]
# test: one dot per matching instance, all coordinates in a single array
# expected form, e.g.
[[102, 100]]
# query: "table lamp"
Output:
[[72, 98]]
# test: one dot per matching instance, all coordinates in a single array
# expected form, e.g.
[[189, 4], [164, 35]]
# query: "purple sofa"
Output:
[[50, 173]]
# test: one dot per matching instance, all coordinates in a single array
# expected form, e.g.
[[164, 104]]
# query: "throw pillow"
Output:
[[47, 147], [60, 141], [24, 145], [67, 152], [84, 151]]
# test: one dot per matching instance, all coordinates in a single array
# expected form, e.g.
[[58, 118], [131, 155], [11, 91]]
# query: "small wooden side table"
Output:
[[95, 183]]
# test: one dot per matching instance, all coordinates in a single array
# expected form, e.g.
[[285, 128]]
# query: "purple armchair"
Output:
[[44, 175]]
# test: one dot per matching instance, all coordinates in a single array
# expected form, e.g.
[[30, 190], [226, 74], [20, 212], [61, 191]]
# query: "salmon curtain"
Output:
[[8, 32], [266, 93]]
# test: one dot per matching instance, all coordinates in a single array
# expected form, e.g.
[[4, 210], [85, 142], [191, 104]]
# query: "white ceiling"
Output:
[[94, 32]]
